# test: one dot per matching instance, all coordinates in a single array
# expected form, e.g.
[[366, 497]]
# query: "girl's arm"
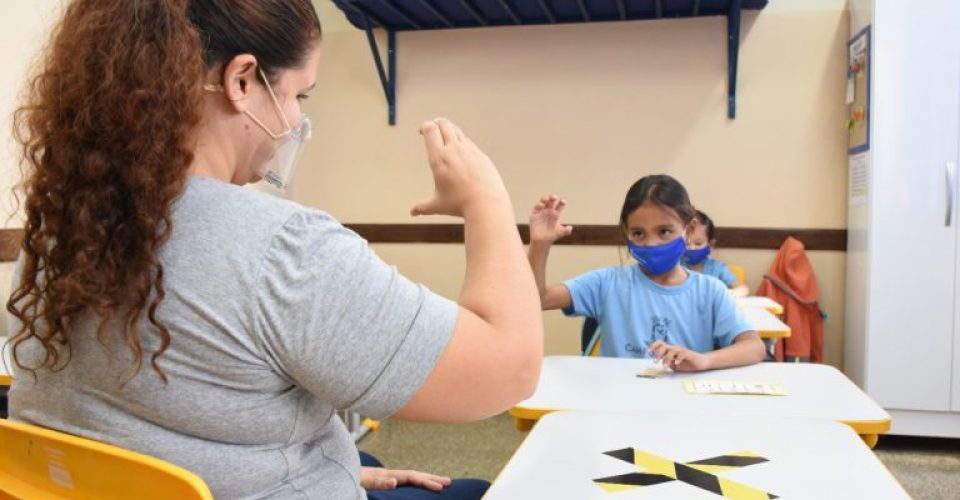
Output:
[[746, 349], [545, 228]]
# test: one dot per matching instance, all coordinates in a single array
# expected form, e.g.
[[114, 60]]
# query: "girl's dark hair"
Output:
[[707, 222], [662, 190], [106, 131]]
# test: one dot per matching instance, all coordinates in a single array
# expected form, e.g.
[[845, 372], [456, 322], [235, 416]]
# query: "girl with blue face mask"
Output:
[[697, 257], [652, 307]]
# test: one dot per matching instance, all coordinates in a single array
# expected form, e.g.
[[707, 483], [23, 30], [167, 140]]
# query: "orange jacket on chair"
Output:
[[791, 282]]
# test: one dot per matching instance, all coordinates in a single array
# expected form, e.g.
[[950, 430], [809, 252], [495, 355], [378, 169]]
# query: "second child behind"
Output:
[[697, 258]]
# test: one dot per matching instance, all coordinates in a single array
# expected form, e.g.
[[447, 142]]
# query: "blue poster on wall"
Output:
[[858, 92]]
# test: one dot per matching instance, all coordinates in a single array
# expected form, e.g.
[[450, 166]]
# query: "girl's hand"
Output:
[[678, 358], [377, 478], [462, 175], [545, 224]]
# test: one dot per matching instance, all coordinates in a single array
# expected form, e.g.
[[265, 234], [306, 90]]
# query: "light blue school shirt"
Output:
[[633, 311], [718, 270]]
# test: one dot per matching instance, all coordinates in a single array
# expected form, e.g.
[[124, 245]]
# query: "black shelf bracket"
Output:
[[388, 75], [393, 16], [733, 54]]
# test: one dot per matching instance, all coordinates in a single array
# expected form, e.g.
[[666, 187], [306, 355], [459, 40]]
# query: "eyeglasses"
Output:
[[287, 131]]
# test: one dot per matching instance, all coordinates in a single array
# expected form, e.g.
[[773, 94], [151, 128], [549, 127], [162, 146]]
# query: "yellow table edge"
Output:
[[774, 334], [6, 380], [866, 428]]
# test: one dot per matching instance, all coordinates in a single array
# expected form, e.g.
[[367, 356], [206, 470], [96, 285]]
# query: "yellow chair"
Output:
[[45, 464], [739, 272], [5, 382]]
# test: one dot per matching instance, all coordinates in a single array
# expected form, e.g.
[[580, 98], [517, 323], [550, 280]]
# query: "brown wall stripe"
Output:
[[10, 244], [728, 237]]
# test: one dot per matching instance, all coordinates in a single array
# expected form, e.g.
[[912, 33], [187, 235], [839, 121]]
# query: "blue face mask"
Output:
[[660, 258], [694, 257]]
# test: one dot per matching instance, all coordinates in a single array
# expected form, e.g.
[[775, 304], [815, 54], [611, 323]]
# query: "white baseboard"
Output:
[[925, 423]]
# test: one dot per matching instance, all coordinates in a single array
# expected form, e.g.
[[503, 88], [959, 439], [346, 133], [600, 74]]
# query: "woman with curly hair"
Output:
[[162, 308]]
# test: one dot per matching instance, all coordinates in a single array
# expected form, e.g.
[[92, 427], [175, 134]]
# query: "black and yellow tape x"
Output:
[[701, 473]]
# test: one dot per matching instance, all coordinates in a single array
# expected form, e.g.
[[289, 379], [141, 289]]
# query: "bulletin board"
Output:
[[858, 92]]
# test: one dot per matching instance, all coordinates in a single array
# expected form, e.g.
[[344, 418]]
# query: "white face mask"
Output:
[[278, 170]]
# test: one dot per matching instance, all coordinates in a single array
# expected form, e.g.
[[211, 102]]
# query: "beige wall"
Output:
[[23, 28], [584, 110]]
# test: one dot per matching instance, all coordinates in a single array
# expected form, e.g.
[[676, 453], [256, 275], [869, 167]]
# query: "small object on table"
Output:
[[656, 370], [730, 387]]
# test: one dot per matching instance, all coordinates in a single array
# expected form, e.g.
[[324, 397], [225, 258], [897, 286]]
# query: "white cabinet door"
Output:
[[955, 400], [914, 264], [956, 322]]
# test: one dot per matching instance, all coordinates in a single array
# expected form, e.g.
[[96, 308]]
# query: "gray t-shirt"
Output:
[[278, 315]]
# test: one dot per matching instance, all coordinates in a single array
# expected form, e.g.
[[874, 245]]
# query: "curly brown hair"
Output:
[[106, 130]]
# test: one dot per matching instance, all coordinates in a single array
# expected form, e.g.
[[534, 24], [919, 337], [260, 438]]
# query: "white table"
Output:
[[611, 384], [758, 302], [793, 458], [765, 323]]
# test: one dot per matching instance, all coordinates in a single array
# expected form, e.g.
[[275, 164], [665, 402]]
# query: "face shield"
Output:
[[278, 171]]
